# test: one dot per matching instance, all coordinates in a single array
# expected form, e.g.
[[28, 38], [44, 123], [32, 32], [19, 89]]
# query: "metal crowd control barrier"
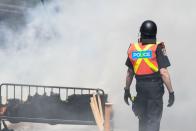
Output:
[[47, 104]]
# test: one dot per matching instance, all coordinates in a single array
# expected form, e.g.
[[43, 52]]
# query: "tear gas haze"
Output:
[[84, 43]]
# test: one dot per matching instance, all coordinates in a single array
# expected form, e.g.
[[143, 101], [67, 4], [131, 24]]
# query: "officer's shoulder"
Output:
[[131, 43], [161, 48], [161, 45]]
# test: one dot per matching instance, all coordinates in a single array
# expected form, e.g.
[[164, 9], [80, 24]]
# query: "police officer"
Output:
[[147, 61]]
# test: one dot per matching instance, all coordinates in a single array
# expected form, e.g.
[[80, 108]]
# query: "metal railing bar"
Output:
[[29, 91], [7, 93], [76, 88], [21, 92], [14, 91], [66, 94]]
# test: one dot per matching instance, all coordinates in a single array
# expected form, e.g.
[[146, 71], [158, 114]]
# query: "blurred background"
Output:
[[84, 43]]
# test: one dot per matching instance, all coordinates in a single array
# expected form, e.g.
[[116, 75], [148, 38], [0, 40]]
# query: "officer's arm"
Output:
[[166, 79], [163, 62], [129, 78]]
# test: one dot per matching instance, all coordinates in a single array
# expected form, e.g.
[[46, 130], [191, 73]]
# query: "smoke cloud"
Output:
[[84, 43]]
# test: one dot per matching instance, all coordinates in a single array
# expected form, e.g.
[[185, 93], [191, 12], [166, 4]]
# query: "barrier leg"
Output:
[[108, 112]]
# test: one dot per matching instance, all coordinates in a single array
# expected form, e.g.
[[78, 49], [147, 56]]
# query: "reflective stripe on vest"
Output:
[[138, 56]]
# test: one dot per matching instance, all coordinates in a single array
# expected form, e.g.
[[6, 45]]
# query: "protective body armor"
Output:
[[143, 58]]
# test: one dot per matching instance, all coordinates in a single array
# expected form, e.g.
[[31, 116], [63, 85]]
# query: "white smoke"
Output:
[[84, 43]]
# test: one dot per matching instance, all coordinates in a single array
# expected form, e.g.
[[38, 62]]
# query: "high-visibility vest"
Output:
[[143, 58]]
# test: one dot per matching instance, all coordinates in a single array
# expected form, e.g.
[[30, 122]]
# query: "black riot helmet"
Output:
[[148, 29]]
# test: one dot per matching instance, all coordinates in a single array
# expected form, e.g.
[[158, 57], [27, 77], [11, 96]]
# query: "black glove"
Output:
[[127, 96], [171, 99]]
